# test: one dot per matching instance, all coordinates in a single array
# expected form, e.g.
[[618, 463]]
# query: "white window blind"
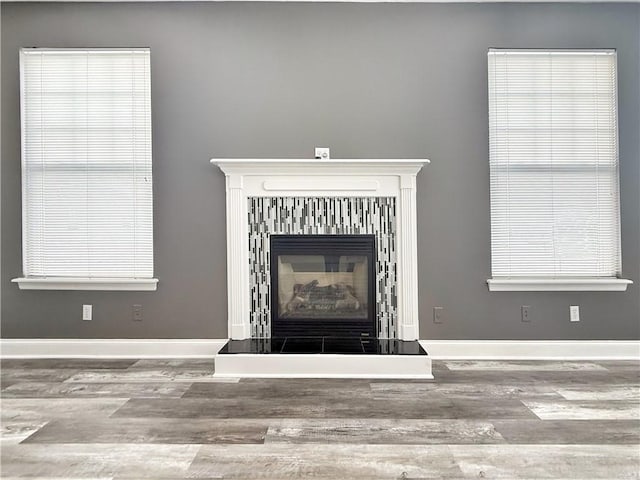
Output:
[[554, 163], [86, 163]]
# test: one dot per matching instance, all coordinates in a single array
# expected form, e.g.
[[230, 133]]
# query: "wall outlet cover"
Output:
[[438, 313], [525, 313], [136, 313], [87, 312], [574, 313]]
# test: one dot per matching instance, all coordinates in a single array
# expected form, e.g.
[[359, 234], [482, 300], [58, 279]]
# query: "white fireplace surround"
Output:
[[262, 177]]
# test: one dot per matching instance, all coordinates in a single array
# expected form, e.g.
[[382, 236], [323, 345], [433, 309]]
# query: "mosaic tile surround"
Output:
[[323, 216]]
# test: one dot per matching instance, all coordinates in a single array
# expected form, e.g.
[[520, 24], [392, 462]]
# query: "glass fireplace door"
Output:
[[323, 285]]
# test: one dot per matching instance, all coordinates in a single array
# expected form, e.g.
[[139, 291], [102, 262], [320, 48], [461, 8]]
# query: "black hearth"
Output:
[[323, 285]]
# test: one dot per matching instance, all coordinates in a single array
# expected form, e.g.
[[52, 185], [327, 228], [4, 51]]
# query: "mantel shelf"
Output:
[[337, 166], [316, 161]]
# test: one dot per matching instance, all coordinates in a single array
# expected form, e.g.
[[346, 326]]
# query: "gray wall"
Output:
[[368, 80]]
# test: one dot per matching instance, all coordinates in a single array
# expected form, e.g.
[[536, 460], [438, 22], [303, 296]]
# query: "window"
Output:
[[86, 169], [554, 170]]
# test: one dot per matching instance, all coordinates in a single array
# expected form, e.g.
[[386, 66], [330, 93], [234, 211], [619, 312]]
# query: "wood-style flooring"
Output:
[[118, 419]]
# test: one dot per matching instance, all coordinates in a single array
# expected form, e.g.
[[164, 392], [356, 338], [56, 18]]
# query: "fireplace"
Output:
[[267, 197], [304, 239], [323, 285]]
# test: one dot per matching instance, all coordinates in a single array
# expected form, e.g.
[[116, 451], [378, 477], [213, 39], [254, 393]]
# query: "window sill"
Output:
[[558, 284], [58, 283]]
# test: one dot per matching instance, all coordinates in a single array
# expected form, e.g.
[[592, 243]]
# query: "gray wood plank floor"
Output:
[[123, 419]]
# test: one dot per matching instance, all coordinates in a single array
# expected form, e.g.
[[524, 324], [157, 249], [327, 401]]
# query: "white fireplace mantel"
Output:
[[263, 177]]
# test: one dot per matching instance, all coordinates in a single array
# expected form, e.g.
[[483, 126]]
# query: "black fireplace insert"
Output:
[[323, 285]]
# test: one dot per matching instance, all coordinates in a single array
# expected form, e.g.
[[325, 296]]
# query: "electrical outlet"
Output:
[[574, 313], [87, 312], [438, 313], [136, 313], [525, 312]]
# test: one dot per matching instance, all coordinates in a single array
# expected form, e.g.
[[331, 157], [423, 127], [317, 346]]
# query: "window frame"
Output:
[[30, 282], [560, 282]]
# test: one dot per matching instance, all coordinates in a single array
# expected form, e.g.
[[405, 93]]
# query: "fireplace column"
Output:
[[407, 260], [238, 268]]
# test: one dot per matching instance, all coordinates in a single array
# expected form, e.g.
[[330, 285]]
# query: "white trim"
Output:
[[205, 348], [532, 349], [291, 177], [323, 366], [558, 284], [344, 1], [58, 283], [555, 51], [303, 168], [286, 184], [311, 184], [109, 348]]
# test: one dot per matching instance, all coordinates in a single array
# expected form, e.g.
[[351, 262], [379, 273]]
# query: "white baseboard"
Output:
[[532, 349], [206, 348], [109, 348]]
